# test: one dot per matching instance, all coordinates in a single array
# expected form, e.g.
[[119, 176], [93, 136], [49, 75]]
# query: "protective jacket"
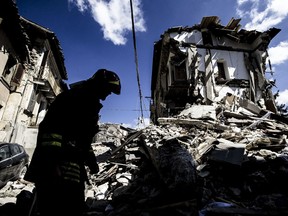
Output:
[[64, 139]]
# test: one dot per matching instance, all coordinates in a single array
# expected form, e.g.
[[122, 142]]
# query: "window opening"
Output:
[[221, 71], [178, 68], [18, 74], [207, 39], [10, 63]]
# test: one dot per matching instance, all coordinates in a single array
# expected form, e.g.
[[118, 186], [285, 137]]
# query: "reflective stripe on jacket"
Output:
[[70, 172], [56, 160], [52, 139]]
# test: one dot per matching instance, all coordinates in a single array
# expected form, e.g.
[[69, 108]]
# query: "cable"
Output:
[[136, 61]]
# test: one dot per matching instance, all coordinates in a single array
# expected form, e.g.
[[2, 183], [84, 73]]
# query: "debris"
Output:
[[189, 166]]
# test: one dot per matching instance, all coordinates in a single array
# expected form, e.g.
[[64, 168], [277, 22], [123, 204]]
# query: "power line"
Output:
[[136, 60], [126, 110]]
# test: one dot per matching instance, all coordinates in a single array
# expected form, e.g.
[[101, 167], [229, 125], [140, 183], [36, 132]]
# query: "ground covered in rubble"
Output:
[[216, 163]]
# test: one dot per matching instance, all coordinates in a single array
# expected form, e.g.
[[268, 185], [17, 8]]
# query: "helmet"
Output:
[[108, 79]]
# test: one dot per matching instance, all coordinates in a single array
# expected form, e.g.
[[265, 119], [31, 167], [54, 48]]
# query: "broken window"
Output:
[[31, 105], [17, 76], [9, 69], [207, 39], [178, 70], [9, 66], [13, 72]]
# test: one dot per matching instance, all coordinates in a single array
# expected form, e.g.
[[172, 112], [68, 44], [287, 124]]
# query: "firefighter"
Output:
[[64, 147]]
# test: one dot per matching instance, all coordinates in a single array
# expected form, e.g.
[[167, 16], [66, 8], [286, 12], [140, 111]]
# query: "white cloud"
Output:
[[81, 5], [114, 17], [263, 14], [283, 97], [279, 54], [241, 2]]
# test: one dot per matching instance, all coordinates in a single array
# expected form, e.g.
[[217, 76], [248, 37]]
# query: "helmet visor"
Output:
[[115, 86]]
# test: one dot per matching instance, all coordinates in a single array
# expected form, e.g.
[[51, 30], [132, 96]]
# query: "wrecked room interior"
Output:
[[216, 145]]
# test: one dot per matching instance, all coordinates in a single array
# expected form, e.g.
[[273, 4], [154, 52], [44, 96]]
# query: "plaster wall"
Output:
[[194, 37]]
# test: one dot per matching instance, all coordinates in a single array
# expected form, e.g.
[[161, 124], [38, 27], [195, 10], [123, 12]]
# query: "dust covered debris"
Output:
[[216, 163]]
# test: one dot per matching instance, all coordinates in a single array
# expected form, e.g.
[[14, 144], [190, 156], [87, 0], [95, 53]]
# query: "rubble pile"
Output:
[[205, 161]]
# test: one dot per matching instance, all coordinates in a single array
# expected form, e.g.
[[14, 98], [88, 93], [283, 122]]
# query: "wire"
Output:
[[125, 110], [136, 60]]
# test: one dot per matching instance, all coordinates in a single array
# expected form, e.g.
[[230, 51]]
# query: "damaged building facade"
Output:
[[31, 75], [210, 63]]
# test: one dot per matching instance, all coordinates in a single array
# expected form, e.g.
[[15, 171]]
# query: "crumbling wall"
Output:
[[204, 63]]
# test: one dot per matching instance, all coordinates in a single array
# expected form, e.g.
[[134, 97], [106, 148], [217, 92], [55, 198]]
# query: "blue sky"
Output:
[[97, 34]]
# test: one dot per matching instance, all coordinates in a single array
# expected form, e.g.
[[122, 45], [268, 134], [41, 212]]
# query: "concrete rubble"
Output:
[[205, 161]]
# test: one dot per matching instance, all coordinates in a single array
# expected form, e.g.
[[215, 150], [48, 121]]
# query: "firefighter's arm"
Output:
[[91, 161]]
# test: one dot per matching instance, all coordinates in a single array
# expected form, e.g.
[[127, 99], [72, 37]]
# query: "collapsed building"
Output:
[[217, 146], [208, 63]]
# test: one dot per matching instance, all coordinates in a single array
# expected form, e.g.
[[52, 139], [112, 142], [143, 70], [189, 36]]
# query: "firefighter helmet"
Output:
[[108, 79]]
